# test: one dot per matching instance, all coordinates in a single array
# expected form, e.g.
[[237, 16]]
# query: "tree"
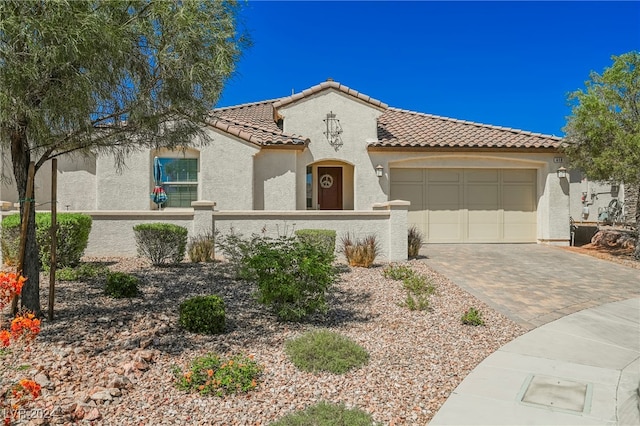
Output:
[[603, 132], [105, 76]]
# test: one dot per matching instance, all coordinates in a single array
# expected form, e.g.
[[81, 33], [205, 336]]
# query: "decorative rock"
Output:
[[92, 415], [103, 395], [43, 381]]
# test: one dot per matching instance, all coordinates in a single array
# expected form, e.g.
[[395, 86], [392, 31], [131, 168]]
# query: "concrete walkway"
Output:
[[581, 369]]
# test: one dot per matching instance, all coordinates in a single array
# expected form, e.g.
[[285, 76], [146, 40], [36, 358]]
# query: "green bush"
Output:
[[414, 239], [72, 236], [202, 248], [81, 272], [161, 242], [203, 314], [326, 414], [323, 238], [419, 290], [293, 277], [361, 251], [236, 250], [209, 375], [397, 272], [324, 350], [472, 317], [120, 285]]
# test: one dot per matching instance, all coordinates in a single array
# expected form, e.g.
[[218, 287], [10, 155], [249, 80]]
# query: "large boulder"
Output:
[[614, 238]]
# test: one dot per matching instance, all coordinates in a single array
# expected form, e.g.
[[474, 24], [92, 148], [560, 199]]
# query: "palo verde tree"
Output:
[[107, 76], [603, 132]]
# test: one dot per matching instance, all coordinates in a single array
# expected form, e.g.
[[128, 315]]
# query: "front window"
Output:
[[309, 188], [180, 181]]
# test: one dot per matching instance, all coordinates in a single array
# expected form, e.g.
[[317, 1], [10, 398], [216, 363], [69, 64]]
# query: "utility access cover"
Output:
[[557, 393]]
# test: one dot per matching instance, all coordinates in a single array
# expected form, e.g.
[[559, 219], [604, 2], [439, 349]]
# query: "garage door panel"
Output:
[[444, 175], [483, 196], [519, 233], [519, 197], [482, 175], [472, 205], [516, 176], [407, 175], [441, 197], [409, 192], [444, 225]]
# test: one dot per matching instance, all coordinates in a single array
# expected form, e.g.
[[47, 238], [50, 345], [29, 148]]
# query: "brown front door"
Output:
[[330, 188]]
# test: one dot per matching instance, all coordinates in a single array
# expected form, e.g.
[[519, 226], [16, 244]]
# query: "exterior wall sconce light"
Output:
[[334, 130], [561, 172], [379, 170]]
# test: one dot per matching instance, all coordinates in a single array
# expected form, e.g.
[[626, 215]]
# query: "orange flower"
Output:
[[4, 338], [30, 386], [10, 285], [209, 373], [27, 326]]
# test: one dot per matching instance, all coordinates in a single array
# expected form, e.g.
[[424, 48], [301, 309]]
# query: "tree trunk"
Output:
[[21, 157], [636, 253]]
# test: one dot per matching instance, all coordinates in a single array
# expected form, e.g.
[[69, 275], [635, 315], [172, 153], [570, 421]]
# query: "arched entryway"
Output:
[[329, 185]]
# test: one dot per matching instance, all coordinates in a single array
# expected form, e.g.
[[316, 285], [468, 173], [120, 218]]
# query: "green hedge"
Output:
[[161, 242], [72, 238]]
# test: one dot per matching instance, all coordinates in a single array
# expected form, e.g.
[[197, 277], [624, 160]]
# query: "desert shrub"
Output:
[[83, 271], [72, 236], [161, 242], [360, 251], [472, 316], [397, 272], [419, 290], [324, 350], [326, 414], [210, 375], [203, 314], [323, 238], [415, 238], [202, 248], [236, 249], [121, 285], [293, 277]]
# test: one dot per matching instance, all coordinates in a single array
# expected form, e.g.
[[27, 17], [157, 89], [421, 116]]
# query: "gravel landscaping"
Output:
[[110, 361]]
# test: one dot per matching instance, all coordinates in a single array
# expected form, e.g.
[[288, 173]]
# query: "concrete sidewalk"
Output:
[[582, 369]]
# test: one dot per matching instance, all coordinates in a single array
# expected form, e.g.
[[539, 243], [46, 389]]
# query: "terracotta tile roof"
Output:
[[254, 123], [257, 123], [401, 128], [330, 84]]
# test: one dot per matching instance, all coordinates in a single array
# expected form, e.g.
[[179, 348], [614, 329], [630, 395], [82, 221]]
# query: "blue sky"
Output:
[[503, 63]]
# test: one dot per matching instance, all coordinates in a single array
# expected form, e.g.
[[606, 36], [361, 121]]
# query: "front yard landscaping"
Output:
[[114, 360]]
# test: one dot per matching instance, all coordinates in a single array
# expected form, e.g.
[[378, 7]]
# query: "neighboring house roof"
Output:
[[398, 129]]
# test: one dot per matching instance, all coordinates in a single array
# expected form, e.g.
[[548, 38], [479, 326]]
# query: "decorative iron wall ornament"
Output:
[[333, 130]]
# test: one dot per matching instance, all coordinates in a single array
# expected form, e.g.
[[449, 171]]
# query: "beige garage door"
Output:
[[469, 205]]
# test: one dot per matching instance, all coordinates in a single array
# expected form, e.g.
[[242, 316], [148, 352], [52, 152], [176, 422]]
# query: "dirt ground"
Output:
[[611, 254]]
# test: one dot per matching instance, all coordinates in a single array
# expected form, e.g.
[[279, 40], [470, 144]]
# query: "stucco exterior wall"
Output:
[[128, 189], [76, 182], [388, 223], [226, 172], [275, 180], [359, 125], [598, 195]]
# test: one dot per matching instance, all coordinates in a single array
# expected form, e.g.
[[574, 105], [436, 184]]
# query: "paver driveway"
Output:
[[533, 284]]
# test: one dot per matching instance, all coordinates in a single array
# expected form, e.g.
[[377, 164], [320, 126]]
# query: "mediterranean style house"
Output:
[[332, 152]]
